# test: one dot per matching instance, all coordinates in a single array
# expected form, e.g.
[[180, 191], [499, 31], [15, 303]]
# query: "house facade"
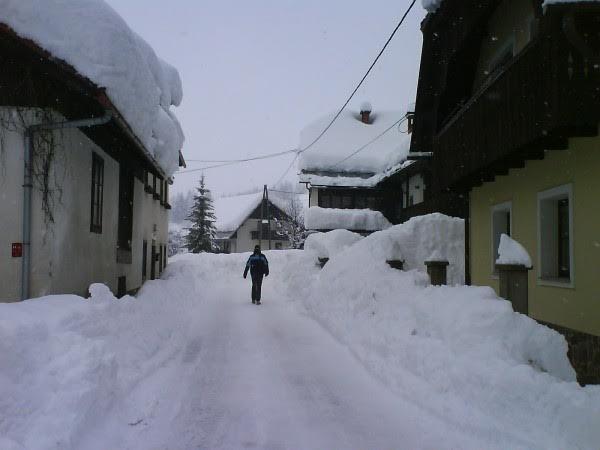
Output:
[[350, 170], [83, 200], [244, 221], [508, 106]]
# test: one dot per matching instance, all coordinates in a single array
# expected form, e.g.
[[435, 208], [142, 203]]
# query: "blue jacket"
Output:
[[258, 265]]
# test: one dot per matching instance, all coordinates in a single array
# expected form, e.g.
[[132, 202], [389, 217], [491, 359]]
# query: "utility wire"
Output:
[[254, 158], [286, 170], [361, 81], [398, 122], [325, 130]]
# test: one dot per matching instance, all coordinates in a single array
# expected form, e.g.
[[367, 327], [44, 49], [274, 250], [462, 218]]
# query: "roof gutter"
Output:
[[28, 186]]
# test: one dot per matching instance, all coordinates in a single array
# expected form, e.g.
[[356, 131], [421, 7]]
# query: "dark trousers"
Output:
[[256, 287]]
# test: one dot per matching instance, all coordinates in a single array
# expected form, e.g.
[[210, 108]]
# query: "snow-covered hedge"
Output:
[[90, 36], [317, 218]]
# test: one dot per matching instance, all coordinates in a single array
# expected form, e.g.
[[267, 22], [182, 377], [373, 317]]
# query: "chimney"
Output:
[[365, 112]]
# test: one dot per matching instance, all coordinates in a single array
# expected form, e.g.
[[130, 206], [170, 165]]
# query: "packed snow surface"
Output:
[[318, 218], [90, 36], [326, 245], [190, 363], [512, 252], [347, 135]]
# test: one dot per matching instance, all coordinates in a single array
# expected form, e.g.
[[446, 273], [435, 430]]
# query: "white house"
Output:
[[240, 218], [88, 147], [346, 170]]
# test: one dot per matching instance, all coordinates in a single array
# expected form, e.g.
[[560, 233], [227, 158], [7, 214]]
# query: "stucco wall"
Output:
[[66, 257], [576, 307]]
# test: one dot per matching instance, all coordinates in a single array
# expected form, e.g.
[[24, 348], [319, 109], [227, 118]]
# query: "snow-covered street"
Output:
[[192, 364], [266, 377]]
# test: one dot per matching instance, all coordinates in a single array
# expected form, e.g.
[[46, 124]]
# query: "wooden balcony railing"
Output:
[[546, 94]]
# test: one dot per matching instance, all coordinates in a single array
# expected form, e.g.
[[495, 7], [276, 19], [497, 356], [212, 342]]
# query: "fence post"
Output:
[[437, 271], [514, 285]]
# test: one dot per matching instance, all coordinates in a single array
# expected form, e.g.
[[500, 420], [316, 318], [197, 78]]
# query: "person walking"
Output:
[[258, 266]]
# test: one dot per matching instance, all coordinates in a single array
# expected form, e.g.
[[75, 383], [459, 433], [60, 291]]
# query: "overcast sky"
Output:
[[256, 72]]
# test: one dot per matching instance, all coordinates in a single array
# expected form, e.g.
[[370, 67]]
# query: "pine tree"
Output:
[[202, 232]]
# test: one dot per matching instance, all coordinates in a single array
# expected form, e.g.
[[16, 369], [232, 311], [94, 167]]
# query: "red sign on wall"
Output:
[[17, 250]]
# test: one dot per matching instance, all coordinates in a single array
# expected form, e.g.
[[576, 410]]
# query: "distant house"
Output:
[[507, 105], [350, 168], [244, 221], [88, 146]]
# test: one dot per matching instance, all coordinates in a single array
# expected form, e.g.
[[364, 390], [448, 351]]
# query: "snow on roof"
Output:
[[317, 218], [341, 181], [431, 5], [231, 212], [90, 36], [346, 136]]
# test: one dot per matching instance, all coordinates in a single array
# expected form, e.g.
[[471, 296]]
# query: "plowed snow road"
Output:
[[266, 377]]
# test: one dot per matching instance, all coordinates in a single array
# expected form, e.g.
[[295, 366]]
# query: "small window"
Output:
[[162, 192], [278, 246], [361, 201], [555, 234], [347, 202], [144, 259], [97, 193], [324, 199], [501, 224]]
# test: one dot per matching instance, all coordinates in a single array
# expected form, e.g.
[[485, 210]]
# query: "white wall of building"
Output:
[[66, 257], [244, 242]]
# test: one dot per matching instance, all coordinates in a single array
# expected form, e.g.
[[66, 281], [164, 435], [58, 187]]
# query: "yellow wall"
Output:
[[578, 307]]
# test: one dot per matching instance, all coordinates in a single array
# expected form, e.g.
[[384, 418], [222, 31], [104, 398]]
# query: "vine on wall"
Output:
[[46, 148]]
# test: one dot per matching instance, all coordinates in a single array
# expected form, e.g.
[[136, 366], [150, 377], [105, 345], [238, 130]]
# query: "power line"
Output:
[[254, 158], [223, 163], [237, 161], [361, 81], [369, 143], [286, 170]]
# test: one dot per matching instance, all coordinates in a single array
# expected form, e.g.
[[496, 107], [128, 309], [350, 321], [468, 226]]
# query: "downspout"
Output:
[[28, 186]]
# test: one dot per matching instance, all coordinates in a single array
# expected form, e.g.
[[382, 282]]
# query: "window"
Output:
[[555, 235], [162, 192], [125, 224], [144, 259], [278, 246], [97, 193], [324, 199], [501, 224]]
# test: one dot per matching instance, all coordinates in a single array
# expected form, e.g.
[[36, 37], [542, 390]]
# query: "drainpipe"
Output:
[[28, 186]]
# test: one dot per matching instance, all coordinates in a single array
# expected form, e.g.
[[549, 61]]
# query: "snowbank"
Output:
[[420, 239], [90, 36], [461, 351], [327, 245], [346, 135], [318, 218], [512, 252]]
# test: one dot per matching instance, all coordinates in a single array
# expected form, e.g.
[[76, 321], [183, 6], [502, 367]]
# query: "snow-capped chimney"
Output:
[[365, 112]]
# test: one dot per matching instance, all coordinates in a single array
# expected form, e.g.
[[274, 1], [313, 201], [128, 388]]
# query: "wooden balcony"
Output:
[[546, 94]]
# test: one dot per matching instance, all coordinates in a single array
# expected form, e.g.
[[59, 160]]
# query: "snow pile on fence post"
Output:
[[512, 252], [90, 36], [351, 219], [327, 245]]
